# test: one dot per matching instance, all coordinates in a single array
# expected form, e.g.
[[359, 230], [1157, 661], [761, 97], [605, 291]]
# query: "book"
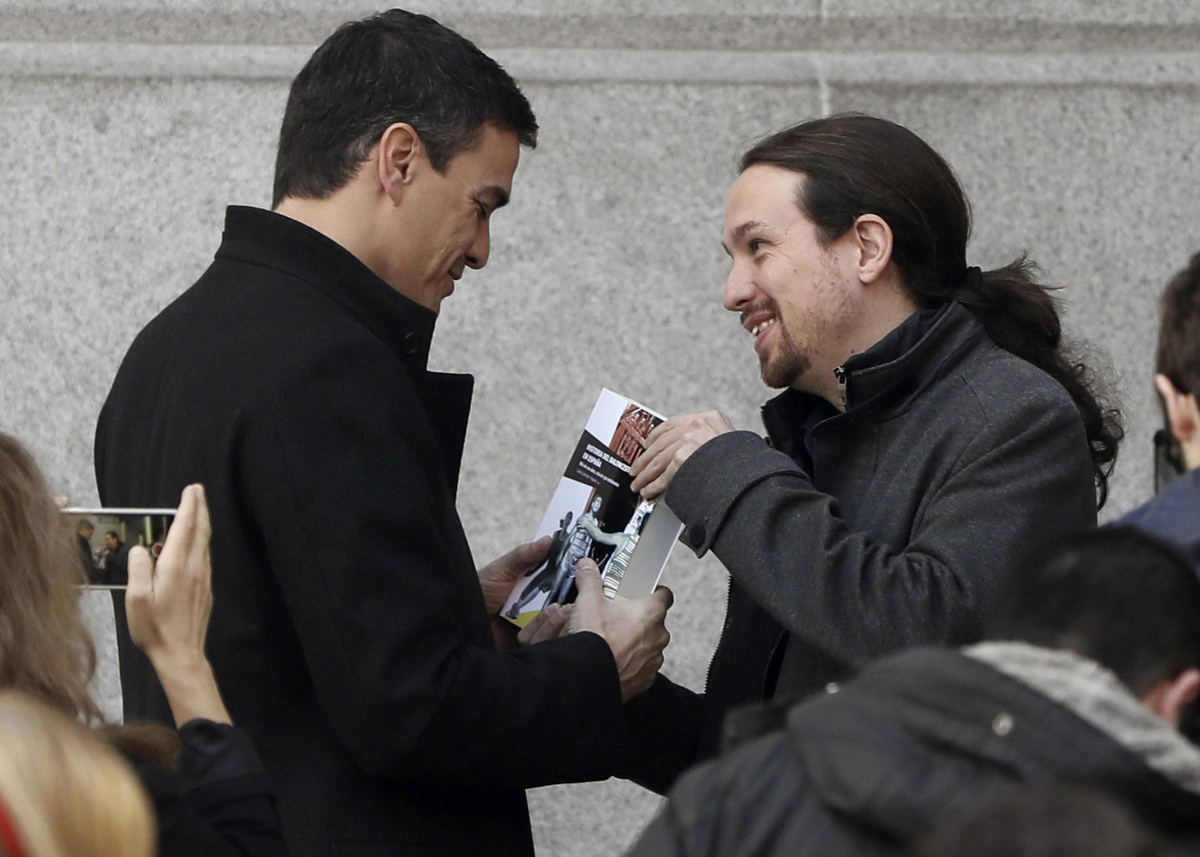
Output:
[[594, 513]]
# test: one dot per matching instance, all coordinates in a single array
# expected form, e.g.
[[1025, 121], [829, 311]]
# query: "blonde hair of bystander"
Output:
[[64, 792]]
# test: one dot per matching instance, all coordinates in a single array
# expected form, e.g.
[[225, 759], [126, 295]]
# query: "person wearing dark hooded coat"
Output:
[[1066, 689]]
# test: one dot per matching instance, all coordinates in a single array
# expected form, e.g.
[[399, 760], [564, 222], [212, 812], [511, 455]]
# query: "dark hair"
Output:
[[1042, 821], [853, 165], [396, 66], [1179, 331], [1116, 595]]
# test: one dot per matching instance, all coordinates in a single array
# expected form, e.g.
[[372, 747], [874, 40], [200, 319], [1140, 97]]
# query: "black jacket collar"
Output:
[[883, 379], [260, 237]]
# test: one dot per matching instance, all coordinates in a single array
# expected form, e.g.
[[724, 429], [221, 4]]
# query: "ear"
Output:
[[873, 241], [1171, 695], [397, 159], [1183, 414]]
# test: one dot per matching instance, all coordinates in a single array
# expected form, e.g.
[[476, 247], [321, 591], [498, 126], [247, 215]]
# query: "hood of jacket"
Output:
[[923, 733]]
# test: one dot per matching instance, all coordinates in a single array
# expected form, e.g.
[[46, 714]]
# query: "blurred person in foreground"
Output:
[[353, 635], [64, 791], [1174, 513], [209, 793], [933, 423], [1090, 666], [1043, 821]]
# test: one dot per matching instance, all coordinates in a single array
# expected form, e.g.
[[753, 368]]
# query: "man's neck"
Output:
[[887, 307], [339, 217]]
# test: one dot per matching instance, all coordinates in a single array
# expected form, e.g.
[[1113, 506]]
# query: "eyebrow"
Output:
[[740, 233], [494, 195]]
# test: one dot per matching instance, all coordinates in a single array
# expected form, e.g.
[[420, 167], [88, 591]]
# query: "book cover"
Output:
[[594, 513]]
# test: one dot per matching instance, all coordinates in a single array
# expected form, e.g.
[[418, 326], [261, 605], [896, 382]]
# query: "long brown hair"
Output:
[[45, 649], [853, 165]]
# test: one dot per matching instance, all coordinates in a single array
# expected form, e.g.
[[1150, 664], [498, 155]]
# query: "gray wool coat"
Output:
[[851, 535]]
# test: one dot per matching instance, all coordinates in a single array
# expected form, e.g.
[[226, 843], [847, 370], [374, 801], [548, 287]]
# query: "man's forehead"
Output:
[[765, 184], [492, 160], [763, 197]]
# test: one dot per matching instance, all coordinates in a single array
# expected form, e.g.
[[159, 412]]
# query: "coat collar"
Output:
[[881, 381], [260, 237], [1174, 514]]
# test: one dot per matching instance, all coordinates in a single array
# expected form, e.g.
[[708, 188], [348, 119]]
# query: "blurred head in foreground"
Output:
[[65, 792]]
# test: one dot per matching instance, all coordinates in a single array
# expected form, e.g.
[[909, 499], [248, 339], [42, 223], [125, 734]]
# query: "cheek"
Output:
[[461, 236]]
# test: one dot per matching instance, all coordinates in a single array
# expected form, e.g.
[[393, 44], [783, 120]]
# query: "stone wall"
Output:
[[127, 126]]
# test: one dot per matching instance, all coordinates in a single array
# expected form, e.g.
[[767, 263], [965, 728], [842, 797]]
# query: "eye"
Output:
[[755, 244], [481, 210]]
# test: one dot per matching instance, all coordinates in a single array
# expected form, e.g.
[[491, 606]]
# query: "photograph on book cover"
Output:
[[593, 512]]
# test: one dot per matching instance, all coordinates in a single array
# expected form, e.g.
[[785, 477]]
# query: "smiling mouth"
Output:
[[761, 326]]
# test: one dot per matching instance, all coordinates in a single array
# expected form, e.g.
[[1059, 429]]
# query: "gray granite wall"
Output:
[[126, 127]]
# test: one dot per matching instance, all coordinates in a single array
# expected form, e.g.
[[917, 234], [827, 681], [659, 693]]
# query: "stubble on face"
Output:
[[787, 362], [805, 328]]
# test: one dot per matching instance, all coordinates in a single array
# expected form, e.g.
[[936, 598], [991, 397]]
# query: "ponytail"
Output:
[[1022, 316]]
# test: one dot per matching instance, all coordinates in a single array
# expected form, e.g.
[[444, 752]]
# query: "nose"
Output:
[[739, 288], [477, 253]]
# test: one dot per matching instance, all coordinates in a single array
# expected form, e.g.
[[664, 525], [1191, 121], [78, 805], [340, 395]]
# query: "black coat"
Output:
[[864, 532], [916, 738], [220, 803], [349, 633]]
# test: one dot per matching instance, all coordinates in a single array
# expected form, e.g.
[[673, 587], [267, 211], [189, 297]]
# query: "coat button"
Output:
[[697, 534], [1002, 724], [411, 343]]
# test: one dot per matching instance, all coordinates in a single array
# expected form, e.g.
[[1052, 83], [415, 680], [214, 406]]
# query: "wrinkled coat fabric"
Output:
[[349, 633], [917, 737], [861, 533]]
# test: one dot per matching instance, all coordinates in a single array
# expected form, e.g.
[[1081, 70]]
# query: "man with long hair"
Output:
[[932, 424]]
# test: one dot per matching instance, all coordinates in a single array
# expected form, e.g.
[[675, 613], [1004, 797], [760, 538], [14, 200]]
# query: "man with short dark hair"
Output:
[[1174, 513], [1091, 661], [352, 634], [932, 424]]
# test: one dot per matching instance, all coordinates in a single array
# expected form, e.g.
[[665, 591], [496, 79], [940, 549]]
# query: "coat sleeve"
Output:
[[662, 731], [343, 478], [1022, 477]]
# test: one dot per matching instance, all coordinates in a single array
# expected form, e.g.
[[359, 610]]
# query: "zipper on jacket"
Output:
[[724, 628], [839, 372]]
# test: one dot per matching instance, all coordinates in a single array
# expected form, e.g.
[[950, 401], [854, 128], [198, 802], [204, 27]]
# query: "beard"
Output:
[[781, 366]]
